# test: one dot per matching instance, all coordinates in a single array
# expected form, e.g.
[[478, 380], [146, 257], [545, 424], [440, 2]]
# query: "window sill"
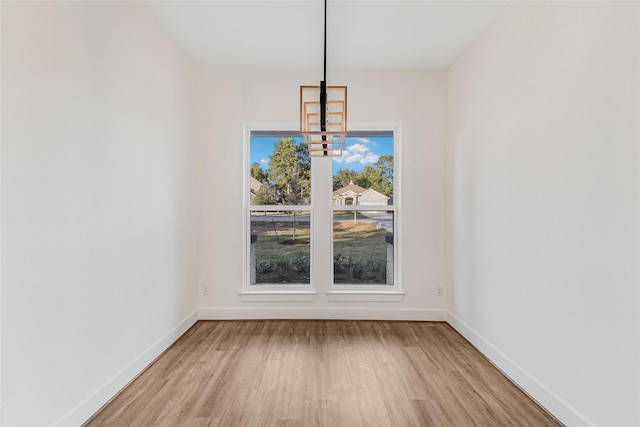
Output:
[[278, 295], [365, 295]]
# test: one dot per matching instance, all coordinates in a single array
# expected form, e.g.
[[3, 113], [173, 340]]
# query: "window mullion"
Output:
[[321, 202]]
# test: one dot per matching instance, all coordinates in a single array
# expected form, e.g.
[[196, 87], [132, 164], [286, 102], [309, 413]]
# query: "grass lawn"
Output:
[[276, 239], [283, 252], [347, 214], [359, 253]]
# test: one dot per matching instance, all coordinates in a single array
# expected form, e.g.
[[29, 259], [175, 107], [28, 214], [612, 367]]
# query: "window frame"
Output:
[[308, 292], [375, 292], [269, 291]]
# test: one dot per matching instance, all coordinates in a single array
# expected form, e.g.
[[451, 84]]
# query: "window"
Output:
[[280, 246], [338, 222], [279, 200], [363, 211]]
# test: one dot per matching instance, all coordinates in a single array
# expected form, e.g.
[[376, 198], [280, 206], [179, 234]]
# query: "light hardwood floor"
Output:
[[321, 373]]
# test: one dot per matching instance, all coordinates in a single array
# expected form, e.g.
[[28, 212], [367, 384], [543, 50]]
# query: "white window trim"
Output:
[[334, 292], [275, 295], [364, 293], [268, 292]]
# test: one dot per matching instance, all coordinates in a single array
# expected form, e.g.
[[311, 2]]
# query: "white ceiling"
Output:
[[361, 33]]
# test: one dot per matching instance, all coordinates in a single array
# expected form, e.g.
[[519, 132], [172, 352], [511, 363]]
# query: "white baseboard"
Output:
[[321, 314], [537, 391], [95, 401]]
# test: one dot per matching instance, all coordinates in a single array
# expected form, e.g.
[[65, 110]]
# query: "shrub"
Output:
[[341, 263], [357, 270], [300, 265], [265, 266], [281, 268]]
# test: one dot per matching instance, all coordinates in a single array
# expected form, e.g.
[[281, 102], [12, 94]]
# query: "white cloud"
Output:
[[357, 153], [264, 161], [363, 140], [358, 149]]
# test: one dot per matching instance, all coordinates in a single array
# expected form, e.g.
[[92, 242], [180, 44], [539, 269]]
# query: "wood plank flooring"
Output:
[[321, 373]]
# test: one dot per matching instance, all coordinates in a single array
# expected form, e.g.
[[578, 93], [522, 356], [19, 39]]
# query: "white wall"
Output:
[[99, 198], [98, 203], [543, 168], [228, 98]]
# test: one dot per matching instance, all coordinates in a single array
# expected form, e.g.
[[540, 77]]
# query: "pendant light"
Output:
[[323, 113]]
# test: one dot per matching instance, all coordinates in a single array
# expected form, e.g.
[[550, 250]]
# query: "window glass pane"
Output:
[[280, 170], [363, 247], [363, 175], [280, 249]]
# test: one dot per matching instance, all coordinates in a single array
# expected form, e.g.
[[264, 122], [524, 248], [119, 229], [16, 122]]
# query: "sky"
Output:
[[358, 152]]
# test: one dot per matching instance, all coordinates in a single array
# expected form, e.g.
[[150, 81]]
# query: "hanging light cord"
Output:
[[323, 86], [325, 41]]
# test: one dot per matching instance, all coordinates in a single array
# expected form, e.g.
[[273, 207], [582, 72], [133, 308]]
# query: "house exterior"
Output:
[[254, 187], [354, 195]]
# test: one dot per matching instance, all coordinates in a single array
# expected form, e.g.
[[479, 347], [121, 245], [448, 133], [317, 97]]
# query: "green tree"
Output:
[[258, 173], [369, 177], [379, 176], [290, 171], [266, 195], [343, 177], [384, 165]]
